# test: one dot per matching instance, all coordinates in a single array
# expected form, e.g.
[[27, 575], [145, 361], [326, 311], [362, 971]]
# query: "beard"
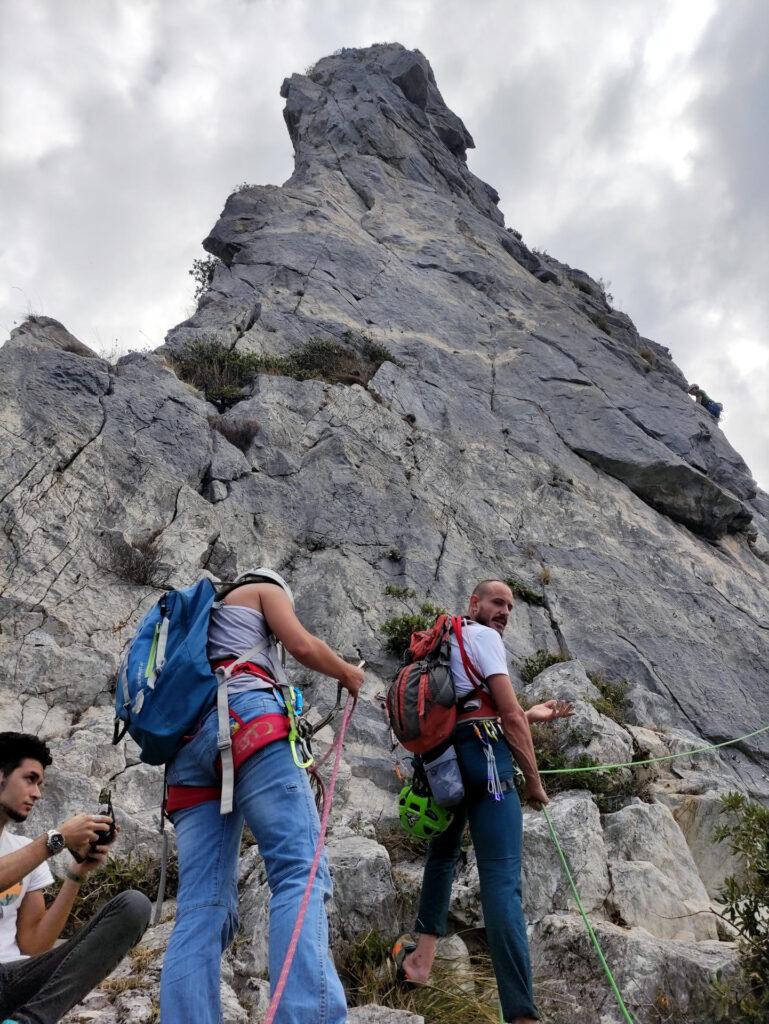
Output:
[[13, 815], [10, 812], [481, 618]]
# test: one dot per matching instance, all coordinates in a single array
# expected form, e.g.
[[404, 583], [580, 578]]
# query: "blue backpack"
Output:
[[166, 684]]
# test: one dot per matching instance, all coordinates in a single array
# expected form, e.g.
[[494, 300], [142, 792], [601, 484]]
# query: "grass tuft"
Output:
[[117, 875], [222, 373], [393, 590], [599, 320], [524, 592], [455, 995], [238, 432], [138, 563], [536, 663], [613, 701]]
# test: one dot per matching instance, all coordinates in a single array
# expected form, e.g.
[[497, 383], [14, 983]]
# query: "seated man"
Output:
[[39, 983]]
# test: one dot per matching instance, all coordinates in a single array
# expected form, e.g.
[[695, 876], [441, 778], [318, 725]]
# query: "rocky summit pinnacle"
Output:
[[385, 395]]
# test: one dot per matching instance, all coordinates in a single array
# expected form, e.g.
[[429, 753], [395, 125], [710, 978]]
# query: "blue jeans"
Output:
[[496, 828], [274, 797]]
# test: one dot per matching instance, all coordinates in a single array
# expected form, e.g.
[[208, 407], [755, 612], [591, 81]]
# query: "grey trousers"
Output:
[[41, 989]]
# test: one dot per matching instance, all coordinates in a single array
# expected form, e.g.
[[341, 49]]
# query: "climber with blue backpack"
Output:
[[203, 689], [453, 704]]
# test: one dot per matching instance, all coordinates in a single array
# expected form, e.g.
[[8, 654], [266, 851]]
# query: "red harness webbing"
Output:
[[179, 798], [248, 738], [488, 708], [245, 666]]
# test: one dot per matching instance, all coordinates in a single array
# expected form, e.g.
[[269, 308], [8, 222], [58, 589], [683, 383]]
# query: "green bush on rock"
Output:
[[222, 373], [536, 663], [399, 628], [746, 907]]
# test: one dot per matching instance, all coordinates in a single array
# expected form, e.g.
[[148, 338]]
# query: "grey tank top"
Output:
[[232, 630]]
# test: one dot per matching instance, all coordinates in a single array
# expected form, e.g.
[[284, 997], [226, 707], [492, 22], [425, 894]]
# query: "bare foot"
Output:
[[418, 963], [416, 968]]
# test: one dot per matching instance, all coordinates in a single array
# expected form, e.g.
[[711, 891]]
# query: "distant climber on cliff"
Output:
[[714, 408]]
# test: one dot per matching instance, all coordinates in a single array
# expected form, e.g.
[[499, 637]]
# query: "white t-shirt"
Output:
[[10, 900], [484, 648]]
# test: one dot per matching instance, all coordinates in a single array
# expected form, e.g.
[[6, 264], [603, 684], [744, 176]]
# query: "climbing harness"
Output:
[[292, 946]]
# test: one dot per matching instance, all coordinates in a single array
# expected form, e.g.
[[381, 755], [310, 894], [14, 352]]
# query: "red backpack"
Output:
[[421, 700]]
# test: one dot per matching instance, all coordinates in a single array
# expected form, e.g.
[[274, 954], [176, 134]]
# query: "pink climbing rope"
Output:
[[291, 951]]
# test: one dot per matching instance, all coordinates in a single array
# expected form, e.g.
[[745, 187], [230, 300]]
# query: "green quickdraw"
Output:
[[300, 731]]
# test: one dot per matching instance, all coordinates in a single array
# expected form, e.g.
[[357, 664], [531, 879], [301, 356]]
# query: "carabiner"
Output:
[[304, 758]]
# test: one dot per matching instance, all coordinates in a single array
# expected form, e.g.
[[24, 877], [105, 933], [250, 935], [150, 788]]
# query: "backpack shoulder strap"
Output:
[[472, 672]]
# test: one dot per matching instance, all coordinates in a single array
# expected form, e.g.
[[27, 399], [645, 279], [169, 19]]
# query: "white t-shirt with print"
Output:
[[10, 899], [484, 648]]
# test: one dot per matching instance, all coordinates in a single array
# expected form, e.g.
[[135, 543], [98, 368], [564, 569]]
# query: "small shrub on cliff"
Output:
[[599, 320], [138, 563], [648, 357], [612, 789], [354, 360], [536, 663], [238, 432], [393, 590], [613, 701], [398, 629], [746, 906], [202, 274], [221, 373], [524, 592]]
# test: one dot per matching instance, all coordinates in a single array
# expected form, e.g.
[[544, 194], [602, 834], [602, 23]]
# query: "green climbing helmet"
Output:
[[420, 816]]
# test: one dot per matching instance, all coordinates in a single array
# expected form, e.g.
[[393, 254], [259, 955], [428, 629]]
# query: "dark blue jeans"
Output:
[[496, 828]]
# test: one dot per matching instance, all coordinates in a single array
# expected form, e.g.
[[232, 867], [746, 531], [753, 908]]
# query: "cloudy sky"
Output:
[[629, 139]]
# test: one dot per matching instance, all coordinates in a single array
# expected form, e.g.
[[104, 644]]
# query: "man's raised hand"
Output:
[[82, 829]]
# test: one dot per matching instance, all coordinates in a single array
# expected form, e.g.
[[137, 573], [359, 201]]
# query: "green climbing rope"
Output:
[[586, 919], [562, 855], [653, 760]]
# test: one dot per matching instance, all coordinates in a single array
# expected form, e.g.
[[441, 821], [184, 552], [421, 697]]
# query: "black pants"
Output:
[[41, 989]]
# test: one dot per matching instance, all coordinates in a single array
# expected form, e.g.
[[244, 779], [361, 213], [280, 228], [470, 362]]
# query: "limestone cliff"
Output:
[[517, 426]]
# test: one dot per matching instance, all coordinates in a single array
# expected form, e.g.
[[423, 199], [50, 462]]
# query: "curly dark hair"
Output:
[[16, 746]]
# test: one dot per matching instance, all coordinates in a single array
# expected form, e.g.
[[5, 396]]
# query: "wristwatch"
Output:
[[55, 842]]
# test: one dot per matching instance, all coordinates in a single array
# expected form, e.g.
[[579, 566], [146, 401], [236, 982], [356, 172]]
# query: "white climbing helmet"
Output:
[[266, 574]]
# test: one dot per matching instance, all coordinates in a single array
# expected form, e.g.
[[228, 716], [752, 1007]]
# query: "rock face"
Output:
[[520, 427]]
